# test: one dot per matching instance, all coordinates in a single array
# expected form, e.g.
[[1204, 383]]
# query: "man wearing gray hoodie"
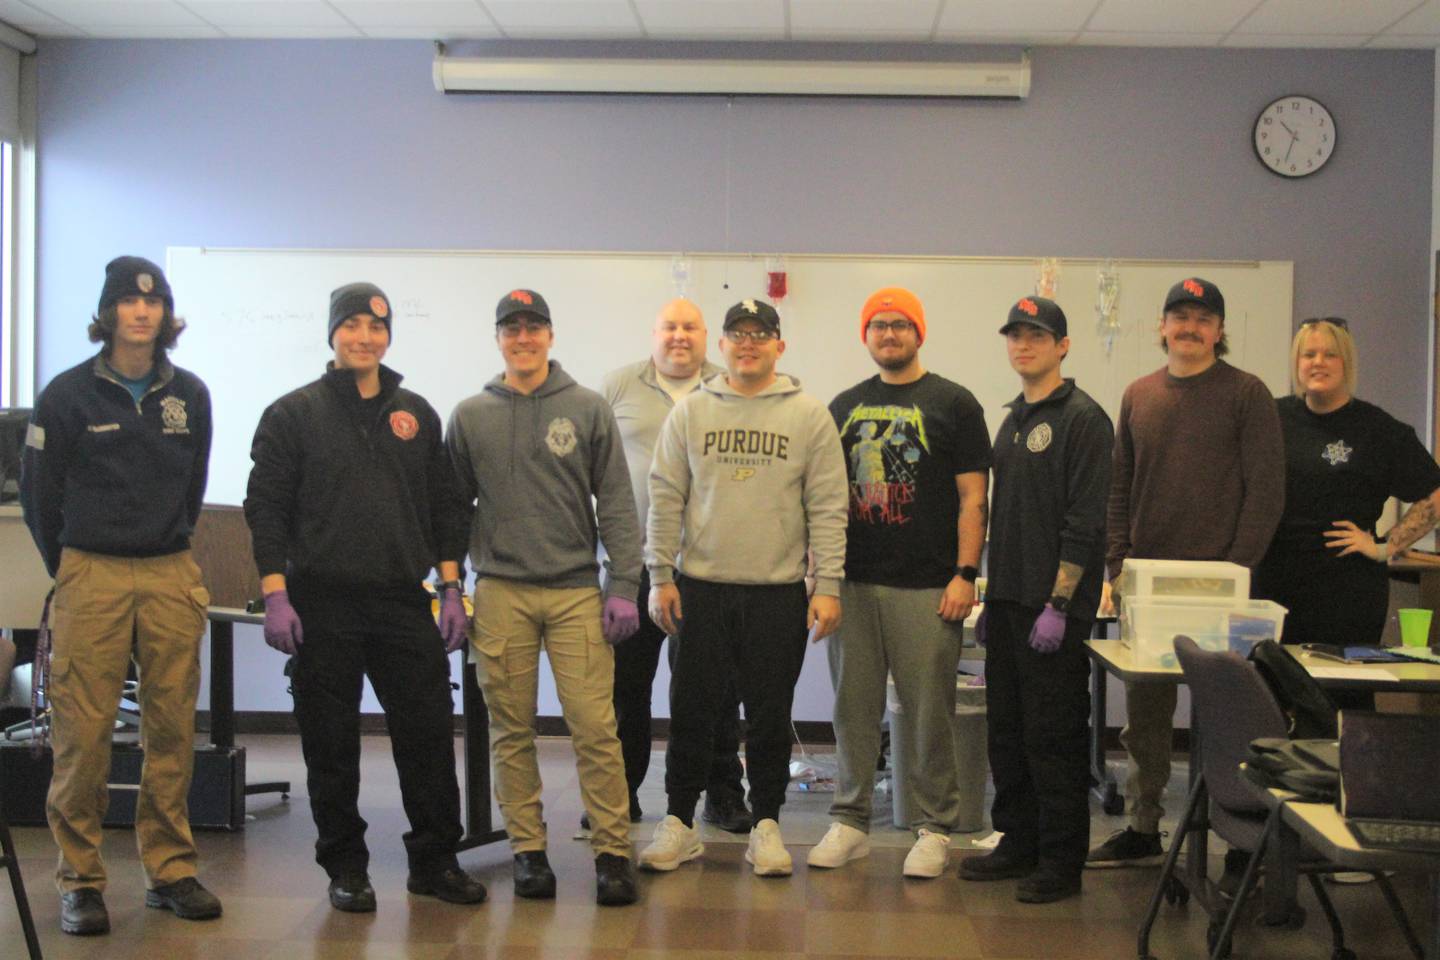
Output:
[[541, 461], [748, 475]]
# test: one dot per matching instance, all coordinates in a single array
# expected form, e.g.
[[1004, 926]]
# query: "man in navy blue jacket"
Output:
[[111, 484]]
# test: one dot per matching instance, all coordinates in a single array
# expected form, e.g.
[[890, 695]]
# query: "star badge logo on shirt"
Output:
[[1337, 452]]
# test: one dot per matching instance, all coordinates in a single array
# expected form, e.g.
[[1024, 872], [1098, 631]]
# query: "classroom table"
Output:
[[479, 824], [1118, 659], [1320, 827]]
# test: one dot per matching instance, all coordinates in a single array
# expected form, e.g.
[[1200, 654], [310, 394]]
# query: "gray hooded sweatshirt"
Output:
[[531, 464], [742, 486]]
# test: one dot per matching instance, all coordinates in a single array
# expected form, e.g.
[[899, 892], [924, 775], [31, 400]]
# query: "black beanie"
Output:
[[134, 277], [356, 298]]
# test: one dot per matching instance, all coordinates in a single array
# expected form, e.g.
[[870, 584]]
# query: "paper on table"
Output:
[[1341, 672]]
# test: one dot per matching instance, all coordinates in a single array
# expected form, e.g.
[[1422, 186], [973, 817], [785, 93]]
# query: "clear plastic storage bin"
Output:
[[1149, 626]]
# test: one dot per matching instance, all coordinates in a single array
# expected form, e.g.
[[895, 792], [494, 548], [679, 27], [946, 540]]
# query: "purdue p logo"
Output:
[[742, 474]]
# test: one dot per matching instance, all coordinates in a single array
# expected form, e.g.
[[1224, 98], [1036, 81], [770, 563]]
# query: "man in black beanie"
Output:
[[112, 479], [351, 503]]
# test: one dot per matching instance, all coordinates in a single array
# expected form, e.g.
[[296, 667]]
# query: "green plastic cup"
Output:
[[1415, 627]]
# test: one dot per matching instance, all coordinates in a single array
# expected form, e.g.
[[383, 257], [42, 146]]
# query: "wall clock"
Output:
[[1294, 136]]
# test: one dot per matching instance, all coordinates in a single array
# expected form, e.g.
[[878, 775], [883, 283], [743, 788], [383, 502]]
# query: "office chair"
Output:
[[1232, 705]]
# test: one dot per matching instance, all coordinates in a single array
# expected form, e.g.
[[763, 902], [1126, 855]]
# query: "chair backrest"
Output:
[[1232, 705]]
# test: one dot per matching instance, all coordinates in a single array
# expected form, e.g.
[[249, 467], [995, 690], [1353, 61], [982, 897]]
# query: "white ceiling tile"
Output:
[[116, 17], [415, 15], [278, 14], [565, 18], [969, 17], [1170, 16], [296, 33], [1299, 17], [1406, 41], [157, 32], [462, 31], [1101, 38], [862, 19], [1301, 40], [24, 16], [712, 19], [1426, 19]]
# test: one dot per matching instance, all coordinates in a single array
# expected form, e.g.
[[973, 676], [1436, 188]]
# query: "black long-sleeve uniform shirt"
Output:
[[1052, 462], [105, 473], [353, 498]]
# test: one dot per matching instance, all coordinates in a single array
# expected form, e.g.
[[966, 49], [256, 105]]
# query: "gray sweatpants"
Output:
[[895, 631]]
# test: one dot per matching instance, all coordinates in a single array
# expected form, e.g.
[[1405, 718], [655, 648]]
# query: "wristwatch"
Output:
[[1060, 603], [967, 573], [442, 585]]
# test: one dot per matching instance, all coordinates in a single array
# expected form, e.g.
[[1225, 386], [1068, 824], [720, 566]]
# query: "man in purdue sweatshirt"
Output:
[[748, 475]]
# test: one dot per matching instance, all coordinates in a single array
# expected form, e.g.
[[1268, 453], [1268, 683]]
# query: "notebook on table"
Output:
[[1388, 764]]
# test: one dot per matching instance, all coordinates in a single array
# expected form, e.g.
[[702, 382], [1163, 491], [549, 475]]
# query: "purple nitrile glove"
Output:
[[282, 623], [453, 622], [1048, 631], [980, 627], [620, 619]]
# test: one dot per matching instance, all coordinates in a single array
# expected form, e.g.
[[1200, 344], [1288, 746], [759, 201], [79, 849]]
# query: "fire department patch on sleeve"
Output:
[[1039, 438], [404, 425]]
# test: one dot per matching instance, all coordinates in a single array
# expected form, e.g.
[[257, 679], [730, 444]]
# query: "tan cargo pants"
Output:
[[512, 622], [107, 610]]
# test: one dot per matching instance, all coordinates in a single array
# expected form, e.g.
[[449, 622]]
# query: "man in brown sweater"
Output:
[[1199, 474]]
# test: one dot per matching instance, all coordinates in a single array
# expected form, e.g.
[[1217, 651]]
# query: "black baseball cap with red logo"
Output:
[[518, 302], [1196, 290], [1038, 312]]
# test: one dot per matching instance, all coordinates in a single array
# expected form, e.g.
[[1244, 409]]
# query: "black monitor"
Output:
[[13, 424]]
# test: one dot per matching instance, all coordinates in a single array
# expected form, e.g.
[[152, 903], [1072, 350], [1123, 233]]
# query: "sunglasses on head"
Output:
[[1340, 322]]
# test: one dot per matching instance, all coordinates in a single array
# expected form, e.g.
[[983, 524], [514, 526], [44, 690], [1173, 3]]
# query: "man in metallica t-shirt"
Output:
[[918, 455]]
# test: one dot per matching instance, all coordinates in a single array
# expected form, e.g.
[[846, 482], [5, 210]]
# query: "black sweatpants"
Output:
[[1038, 707], [746, 638], [404, 657], [636, 660]]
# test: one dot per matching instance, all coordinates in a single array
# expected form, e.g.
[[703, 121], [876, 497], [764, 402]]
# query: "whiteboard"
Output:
[[258, 320]]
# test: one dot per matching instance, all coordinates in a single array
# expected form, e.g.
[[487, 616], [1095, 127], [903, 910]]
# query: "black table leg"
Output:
[[479, 826]]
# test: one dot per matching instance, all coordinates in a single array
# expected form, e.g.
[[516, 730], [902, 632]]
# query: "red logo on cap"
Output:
[[522, 296], [1193, 287], [404, 425], [379, 307], [1029, 306]]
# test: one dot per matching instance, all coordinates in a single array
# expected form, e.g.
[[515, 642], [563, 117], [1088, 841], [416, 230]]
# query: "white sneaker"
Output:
[[841, 844], [674, 844], [929, 855], [767, 850]]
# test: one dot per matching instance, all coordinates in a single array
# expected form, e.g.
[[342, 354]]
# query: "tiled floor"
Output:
[[275, 903]]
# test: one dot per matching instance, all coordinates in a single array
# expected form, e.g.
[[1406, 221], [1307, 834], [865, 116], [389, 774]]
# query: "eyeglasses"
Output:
[[883, 327], [1340, 322], [754, 336], [532, 327]]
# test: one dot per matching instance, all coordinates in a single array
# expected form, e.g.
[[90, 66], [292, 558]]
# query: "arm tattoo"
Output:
[[1067, 578], [1418, 520]]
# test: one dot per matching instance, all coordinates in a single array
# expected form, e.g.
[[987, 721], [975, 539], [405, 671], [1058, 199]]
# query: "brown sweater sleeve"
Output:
[[1262, 465]]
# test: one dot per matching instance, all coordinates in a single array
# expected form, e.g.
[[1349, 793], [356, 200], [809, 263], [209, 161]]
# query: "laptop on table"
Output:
[[1388, 769]]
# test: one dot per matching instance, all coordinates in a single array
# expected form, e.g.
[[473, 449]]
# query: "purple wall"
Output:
[[1118, 152]]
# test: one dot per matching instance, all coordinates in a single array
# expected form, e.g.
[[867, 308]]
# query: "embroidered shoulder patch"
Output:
[[35, 436]]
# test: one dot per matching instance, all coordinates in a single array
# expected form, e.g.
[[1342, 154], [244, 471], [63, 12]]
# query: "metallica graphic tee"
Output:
[[904, 445]]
